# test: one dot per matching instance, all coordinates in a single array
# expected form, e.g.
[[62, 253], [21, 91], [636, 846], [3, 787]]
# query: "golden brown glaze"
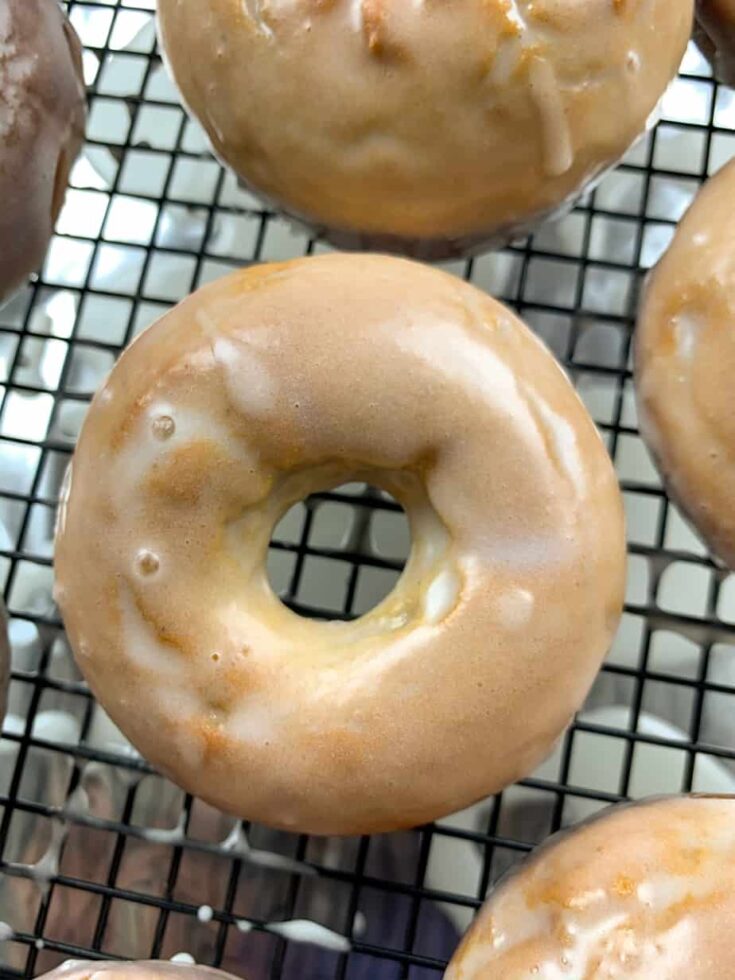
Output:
[[645, 892], [285, 379], [141, 970], [415, 121], [715, 36], [42, 110], [685, 365]]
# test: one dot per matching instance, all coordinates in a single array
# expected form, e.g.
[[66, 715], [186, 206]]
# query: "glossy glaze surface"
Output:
[[685, 365], [390, 122], [642, 892], [42, 111], [286, 379]]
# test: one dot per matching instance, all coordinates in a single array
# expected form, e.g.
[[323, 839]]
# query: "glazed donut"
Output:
[[423, 127], [287, 379], [642, 892], [685, 365], [141, 970], [715, 35], [42, 111], [4, 662]]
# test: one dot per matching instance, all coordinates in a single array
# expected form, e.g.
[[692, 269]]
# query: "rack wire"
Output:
[[99, 856]]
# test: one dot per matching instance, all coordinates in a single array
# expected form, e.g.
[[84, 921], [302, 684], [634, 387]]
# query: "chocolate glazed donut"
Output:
[[42, 112]]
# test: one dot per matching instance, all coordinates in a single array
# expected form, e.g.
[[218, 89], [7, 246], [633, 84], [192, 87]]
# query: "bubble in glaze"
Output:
[[163, 427], [147, 562]]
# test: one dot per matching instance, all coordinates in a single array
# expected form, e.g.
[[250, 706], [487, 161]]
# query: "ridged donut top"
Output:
[[423, 119], [141, 970], [282, 380], [645, 892], [685, 364], [42, 112]]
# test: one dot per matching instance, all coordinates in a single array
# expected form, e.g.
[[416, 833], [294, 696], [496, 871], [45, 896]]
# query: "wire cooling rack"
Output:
[[99, 856]]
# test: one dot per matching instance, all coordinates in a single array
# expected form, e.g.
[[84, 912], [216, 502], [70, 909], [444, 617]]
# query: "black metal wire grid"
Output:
[[150, 217]]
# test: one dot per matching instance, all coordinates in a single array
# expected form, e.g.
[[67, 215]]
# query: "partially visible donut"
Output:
[[286, 379], [139, 970], [431, 128], [643, 892], [42, 112], [715, 36], [685, 365]]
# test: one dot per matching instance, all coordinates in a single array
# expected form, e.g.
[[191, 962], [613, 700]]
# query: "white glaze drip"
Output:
[[515, 608], [301, 931], [63, 499], [557, 137], [237, 842], [163, 835], [441, 596], [183, 958], [47, 867], [250, 387], [687, 327], [255, 10], [561, 442]]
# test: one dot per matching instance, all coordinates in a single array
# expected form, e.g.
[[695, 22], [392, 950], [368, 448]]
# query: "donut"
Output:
[[715, 36], [42, 114], [291, 378], [685, 364], [4, 662], [642, 892], [141, 970], [422, 127]]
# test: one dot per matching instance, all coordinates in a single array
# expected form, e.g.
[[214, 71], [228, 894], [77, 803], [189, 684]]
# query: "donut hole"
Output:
[[336, 555]]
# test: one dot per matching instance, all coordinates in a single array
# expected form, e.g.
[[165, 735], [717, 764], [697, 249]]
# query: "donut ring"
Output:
[[685, 365], [640, 892], [140, 970], [426, 128], [286, 379]]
